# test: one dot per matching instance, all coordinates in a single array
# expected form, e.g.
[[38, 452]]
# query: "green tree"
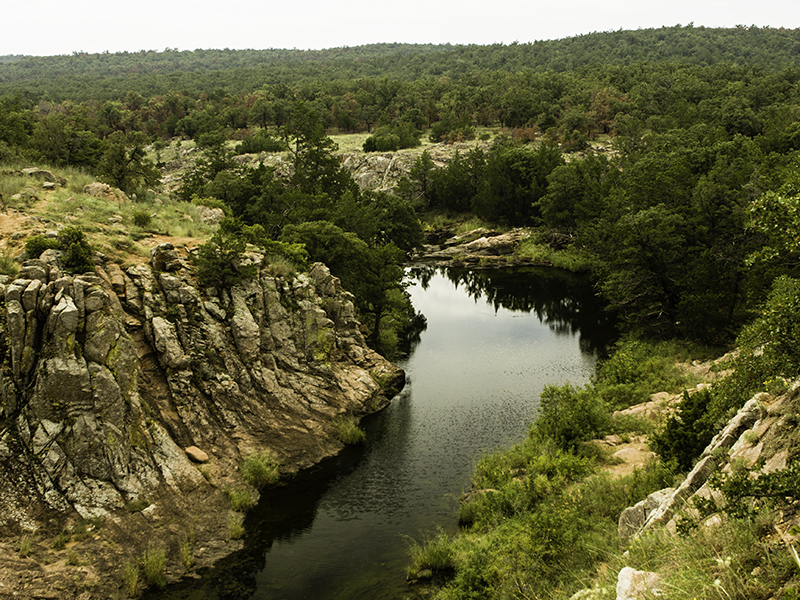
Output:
[[124, 162], [220, 261]]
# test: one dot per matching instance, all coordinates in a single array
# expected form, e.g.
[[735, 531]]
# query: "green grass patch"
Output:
[[261, 469], [236, 530], [241, 499], [568, 259], [348, 431], [153, 562]]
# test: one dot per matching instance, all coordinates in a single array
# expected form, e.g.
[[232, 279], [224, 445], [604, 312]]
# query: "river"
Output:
[[492, 341]]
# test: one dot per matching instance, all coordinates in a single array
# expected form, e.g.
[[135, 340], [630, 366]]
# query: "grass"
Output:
[[8, 266], [347, 430], [131, 577], [236, 530], [568, 259], [281, 266], [435, 553], [241, 499], [98, 217], [62, 539], [25, 546], [735, 559], [153, 563], [185, 549], [137, 505], [260, 470]]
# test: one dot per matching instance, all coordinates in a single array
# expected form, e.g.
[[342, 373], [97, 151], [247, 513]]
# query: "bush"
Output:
[[219, 260], [36, 244], [260, 469], [142, 218], [686, 433], [391, 139], [570, 416], [769, 349], [637, 369], [261, 141], [77, 251]]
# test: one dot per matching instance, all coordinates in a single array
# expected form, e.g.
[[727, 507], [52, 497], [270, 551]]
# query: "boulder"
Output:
[[105, 192], [637, 585], [196, 455], [44, 175], [164, 258]]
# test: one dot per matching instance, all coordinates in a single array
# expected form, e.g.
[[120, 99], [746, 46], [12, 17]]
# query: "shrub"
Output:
[[77, 251], [260, 469], [348, 431], [686, 433], [219, 261], [391, 139], [142, 218], [261, 141], [569, 415], [36, 244], [638, 368], [769, 349]]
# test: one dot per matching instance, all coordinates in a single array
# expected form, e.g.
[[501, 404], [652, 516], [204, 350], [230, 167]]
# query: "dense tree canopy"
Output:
[[697, 125]]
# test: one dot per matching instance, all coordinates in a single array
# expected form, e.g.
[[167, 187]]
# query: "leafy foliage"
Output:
[[686, 433], [220, 261], [768, 349], [570, 416]]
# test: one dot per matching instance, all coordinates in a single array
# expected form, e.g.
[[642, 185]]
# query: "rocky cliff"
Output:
[[109, 376]]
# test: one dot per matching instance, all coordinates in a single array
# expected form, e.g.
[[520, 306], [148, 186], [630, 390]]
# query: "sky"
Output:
[[50, 27]]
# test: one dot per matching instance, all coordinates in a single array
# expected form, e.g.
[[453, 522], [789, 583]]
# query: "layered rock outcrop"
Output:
[[109, 376]]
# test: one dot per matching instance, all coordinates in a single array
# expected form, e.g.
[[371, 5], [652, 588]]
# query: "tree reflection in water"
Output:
[[566, 302]]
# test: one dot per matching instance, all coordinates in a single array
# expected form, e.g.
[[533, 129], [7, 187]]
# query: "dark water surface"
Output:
[[493, 340]]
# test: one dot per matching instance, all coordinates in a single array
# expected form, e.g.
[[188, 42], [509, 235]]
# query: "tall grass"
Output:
[[260, 469], [348, 431]]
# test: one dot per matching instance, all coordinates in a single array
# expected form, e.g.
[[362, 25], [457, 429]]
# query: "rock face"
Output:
[[110, 378]]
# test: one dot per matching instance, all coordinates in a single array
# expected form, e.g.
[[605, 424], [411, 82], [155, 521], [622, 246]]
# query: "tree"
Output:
[[124, 162], [516, 178], [316, 169], [219, 261]]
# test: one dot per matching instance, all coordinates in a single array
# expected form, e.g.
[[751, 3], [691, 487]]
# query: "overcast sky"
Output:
[[46, 27]]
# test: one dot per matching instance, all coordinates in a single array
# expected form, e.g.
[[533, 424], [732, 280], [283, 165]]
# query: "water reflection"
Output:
[[566, 302]]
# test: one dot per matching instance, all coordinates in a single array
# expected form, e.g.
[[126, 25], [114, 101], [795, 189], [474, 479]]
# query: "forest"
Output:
[[665, 163], [704, 126]]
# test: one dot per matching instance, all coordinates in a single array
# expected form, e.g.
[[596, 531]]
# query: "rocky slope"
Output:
[[760, 438], [108, 377]]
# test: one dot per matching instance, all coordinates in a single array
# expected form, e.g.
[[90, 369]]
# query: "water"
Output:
[[493, 340]]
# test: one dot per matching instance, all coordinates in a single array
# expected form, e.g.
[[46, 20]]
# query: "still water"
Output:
[[492, 340]]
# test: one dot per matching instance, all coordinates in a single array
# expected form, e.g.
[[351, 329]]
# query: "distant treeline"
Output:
[[109, 76]]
